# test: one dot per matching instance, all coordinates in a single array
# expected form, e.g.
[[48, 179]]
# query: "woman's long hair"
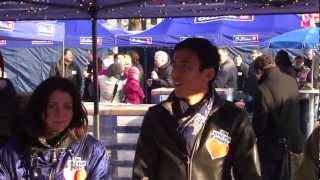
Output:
[[38, 104]]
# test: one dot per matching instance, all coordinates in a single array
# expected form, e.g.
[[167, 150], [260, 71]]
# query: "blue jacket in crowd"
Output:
[[71, 160]]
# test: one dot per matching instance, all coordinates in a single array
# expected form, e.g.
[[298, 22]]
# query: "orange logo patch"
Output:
[[218, 144]]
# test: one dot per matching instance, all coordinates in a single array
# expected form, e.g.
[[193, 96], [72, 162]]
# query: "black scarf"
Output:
[[192, 119]]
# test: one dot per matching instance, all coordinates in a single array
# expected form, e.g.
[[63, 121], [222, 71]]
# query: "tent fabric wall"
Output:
[[31, 33], [23, 63], [220, 30], [79, 34]]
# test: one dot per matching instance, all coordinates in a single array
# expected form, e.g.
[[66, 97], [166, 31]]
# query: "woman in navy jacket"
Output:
[[53, 141]]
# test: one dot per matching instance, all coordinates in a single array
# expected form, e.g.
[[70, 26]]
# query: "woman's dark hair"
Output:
[[207, 53], [38, 104], [134, 56]]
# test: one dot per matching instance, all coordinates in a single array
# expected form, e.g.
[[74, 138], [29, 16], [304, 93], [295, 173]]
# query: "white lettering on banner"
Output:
[[46, 29], [42, 42], [6, 26], [198, 20], [141, 40], [245, 38], [88, 40], [3, 42]]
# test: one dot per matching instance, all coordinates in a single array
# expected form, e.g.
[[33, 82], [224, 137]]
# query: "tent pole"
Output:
[[96, 117]]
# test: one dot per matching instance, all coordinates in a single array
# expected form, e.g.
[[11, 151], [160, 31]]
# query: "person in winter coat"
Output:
[[53, 142], [276, 119], [195, 134], [133, 92], [310, 167], [8, 109], [111, 85], [227, 75], [67, 68], [161, 75], [284, 63]]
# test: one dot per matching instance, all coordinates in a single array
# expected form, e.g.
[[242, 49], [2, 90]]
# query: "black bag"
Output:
[[115, 89], [290, 163]]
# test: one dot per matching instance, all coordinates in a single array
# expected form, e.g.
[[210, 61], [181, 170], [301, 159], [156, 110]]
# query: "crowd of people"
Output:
[[194, 134]]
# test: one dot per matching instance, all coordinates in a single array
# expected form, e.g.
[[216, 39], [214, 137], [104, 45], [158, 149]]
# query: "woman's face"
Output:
[[59, 112]]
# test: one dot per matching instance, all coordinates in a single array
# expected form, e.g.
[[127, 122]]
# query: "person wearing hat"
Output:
[[111, 85], [132, 90]]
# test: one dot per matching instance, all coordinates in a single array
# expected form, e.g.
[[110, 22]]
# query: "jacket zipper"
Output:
[[53, 160], [195, 146]]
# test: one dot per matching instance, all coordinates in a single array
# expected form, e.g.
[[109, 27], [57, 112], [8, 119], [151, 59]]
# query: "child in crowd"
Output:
[[133, 92]]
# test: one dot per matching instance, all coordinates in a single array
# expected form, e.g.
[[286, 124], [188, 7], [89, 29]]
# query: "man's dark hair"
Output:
[[283, 59], [38, 104], [207, 53], [262, 62]]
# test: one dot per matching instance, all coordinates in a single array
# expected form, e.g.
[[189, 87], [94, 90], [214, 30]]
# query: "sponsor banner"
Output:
[[140, 40], [240, 38], [46, 29], [199, 20], [6, 26], [39, 42], [88, 40]]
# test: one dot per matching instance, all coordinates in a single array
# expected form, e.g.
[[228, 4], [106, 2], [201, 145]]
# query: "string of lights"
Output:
[[80, 9]]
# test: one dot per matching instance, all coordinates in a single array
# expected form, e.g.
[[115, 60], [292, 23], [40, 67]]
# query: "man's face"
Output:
[[299, 64], [259, 74], [311, 54], [157, 60], [186, 74], [223, 56], [238, 60], [68, 56], [255, 54], [90, 57]]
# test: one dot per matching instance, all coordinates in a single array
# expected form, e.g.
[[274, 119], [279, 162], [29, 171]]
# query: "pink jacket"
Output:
[[133, 92]]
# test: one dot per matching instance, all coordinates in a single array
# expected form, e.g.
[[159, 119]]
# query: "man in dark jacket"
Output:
[[161, 75], [195, 134], [243, 71], [276, 117], [313, 63], [227, 75], [69, 70]]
